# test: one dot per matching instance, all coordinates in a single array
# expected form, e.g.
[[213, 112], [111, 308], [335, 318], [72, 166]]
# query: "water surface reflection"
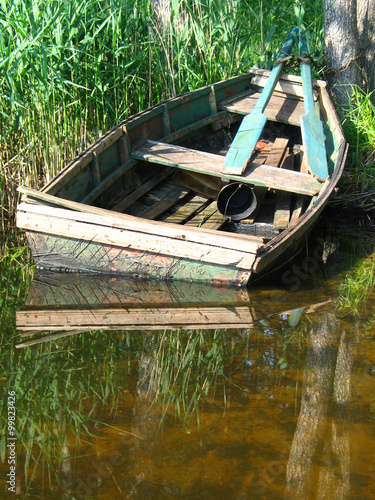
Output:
[[141, 390]]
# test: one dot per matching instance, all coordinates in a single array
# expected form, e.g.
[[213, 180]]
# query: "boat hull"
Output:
[[120, 208], [77, 255]]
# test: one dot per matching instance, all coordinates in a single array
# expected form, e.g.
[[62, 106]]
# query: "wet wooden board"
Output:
[[216, 220], [141, 190], [280, 108], [277, 152], [298, 209], [283, 200], [187, 210], [261, 175], [173, 196], [210, 217]]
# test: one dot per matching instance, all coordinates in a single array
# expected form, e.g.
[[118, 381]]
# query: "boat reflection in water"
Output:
[[74, 303], [269, 374]]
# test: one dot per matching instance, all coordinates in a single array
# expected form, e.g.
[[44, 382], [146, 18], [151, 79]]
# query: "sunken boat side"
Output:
[[142, 200]]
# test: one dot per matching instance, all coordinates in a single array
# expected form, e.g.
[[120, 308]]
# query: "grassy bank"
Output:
[[69, 72]]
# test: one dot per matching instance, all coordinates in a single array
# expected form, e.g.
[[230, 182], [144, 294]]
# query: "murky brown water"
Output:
[[280, 406]]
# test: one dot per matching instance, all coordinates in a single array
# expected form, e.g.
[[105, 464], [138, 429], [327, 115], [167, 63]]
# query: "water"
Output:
[[151, 391]]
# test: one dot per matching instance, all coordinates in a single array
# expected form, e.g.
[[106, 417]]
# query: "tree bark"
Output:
[[349, 31], [366, 30]]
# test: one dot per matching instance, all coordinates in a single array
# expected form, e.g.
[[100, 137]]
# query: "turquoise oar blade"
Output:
[[253, 124], [311, 125]]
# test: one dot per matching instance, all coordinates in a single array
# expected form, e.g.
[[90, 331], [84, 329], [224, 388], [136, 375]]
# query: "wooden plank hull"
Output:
[[121, 208], [77, 255]]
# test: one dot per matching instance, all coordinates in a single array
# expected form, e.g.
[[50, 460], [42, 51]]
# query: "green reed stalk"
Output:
[[69, 71]]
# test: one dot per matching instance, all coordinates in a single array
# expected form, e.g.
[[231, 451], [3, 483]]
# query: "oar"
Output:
[[252, 125], [311, 126]]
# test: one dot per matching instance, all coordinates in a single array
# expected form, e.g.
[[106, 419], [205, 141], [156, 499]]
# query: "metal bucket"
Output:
[[236, 201]]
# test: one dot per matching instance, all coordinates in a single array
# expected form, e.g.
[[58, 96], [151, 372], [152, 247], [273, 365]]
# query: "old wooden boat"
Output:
[[62, 306], [154, 196]]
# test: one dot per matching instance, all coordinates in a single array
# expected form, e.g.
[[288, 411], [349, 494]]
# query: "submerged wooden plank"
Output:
[[260, 194], [198, 161]]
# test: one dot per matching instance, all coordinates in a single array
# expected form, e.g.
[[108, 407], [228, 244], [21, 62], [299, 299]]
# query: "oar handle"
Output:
[[306, 76], [276, 72], [288, 44]]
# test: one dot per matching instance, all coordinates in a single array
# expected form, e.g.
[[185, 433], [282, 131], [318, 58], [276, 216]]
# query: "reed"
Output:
[[71, 71], [359, 126], [356, 288]]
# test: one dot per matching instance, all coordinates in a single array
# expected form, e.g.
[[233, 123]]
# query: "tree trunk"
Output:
[[366, 30], [350, 46]]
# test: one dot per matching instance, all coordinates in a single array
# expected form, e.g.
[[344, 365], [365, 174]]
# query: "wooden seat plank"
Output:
[[280, 108], [208, 163]]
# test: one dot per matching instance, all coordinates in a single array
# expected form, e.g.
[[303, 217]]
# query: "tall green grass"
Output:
[[359, 126], [357, 287], [69, 71]]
